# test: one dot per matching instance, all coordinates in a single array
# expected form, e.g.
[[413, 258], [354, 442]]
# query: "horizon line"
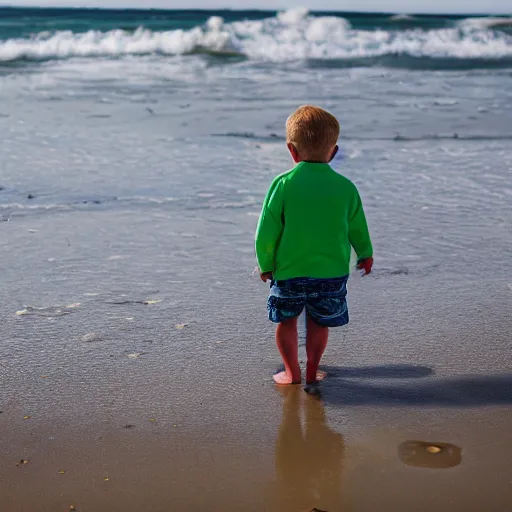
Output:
[[231, 9]]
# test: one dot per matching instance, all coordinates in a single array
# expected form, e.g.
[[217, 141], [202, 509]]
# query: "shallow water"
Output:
[[133, 257]]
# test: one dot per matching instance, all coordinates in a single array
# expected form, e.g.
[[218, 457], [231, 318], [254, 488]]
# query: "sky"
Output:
[[398, 6]]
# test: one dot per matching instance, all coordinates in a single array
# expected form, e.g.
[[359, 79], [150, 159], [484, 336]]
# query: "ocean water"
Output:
[[135, 151]]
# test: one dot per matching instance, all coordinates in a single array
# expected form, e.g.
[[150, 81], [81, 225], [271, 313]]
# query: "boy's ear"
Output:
[[334, 153], [293, 151]]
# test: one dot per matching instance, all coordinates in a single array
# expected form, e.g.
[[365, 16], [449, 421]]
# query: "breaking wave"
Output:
[[290, 36]]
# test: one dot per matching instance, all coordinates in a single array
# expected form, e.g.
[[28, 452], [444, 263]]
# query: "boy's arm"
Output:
[[358, 233], [270, 227]]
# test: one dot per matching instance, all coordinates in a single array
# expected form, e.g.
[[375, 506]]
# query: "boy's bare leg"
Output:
[[316, 342], [287, 339]]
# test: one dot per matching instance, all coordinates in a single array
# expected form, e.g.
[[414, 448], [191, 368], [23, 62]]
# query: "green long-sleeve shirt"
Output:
[[310, 219]]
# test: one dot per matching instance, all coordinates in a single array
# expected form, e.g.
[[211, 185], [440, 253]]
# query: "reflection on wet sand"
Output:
[[309, 460]]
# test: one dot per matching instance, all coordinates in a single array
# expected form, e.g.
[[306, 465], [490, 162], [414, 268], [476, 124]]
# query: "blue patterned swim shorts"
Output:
[[325, 300]]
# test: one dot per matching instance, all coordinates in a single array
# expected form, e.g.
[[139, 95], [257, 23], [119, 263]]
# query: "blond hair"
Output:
[[313, 131]]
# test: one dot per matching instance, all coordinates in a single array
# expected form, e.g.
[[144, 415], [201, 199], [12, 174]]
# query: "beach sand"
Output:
[[172, 400]]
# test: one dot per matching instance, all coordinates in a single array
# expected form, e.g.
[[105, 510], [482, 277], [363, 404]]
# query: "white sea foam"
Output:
[[486, 23], [402, 17], [291, 35], [293, 16], [115, 43]]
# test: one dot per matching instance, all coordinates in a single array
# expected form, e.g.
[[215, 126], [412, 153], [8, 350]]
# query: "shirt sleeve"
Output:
[[358, 232], [270, 227]]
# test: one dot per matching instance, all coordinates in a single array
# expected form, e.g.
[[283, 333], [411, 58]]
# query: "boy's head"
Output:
[[312, 134]]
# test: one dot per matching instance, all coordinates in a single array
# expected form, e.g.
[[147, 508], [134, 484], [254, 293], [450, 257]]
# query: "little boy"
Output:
[[311, 218]]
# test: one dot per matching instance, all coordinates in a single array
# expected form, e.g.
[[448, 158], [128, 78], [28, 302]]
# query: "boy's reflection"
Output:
[[308, 463]]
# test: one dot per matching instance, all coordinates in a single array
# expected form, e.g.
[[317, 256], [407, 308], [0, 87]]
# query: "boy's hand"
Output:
[[365, 264], [265, 276]]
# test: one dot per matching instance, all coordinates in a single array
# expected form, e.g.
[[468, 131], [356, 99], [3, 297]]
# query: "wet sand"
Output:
[[172, 398], [130, 190], [258, 458]]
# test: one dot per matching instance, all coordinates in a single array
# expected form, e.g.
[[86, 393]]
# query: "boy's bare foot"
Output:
[[320, 375], [283, 379]]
